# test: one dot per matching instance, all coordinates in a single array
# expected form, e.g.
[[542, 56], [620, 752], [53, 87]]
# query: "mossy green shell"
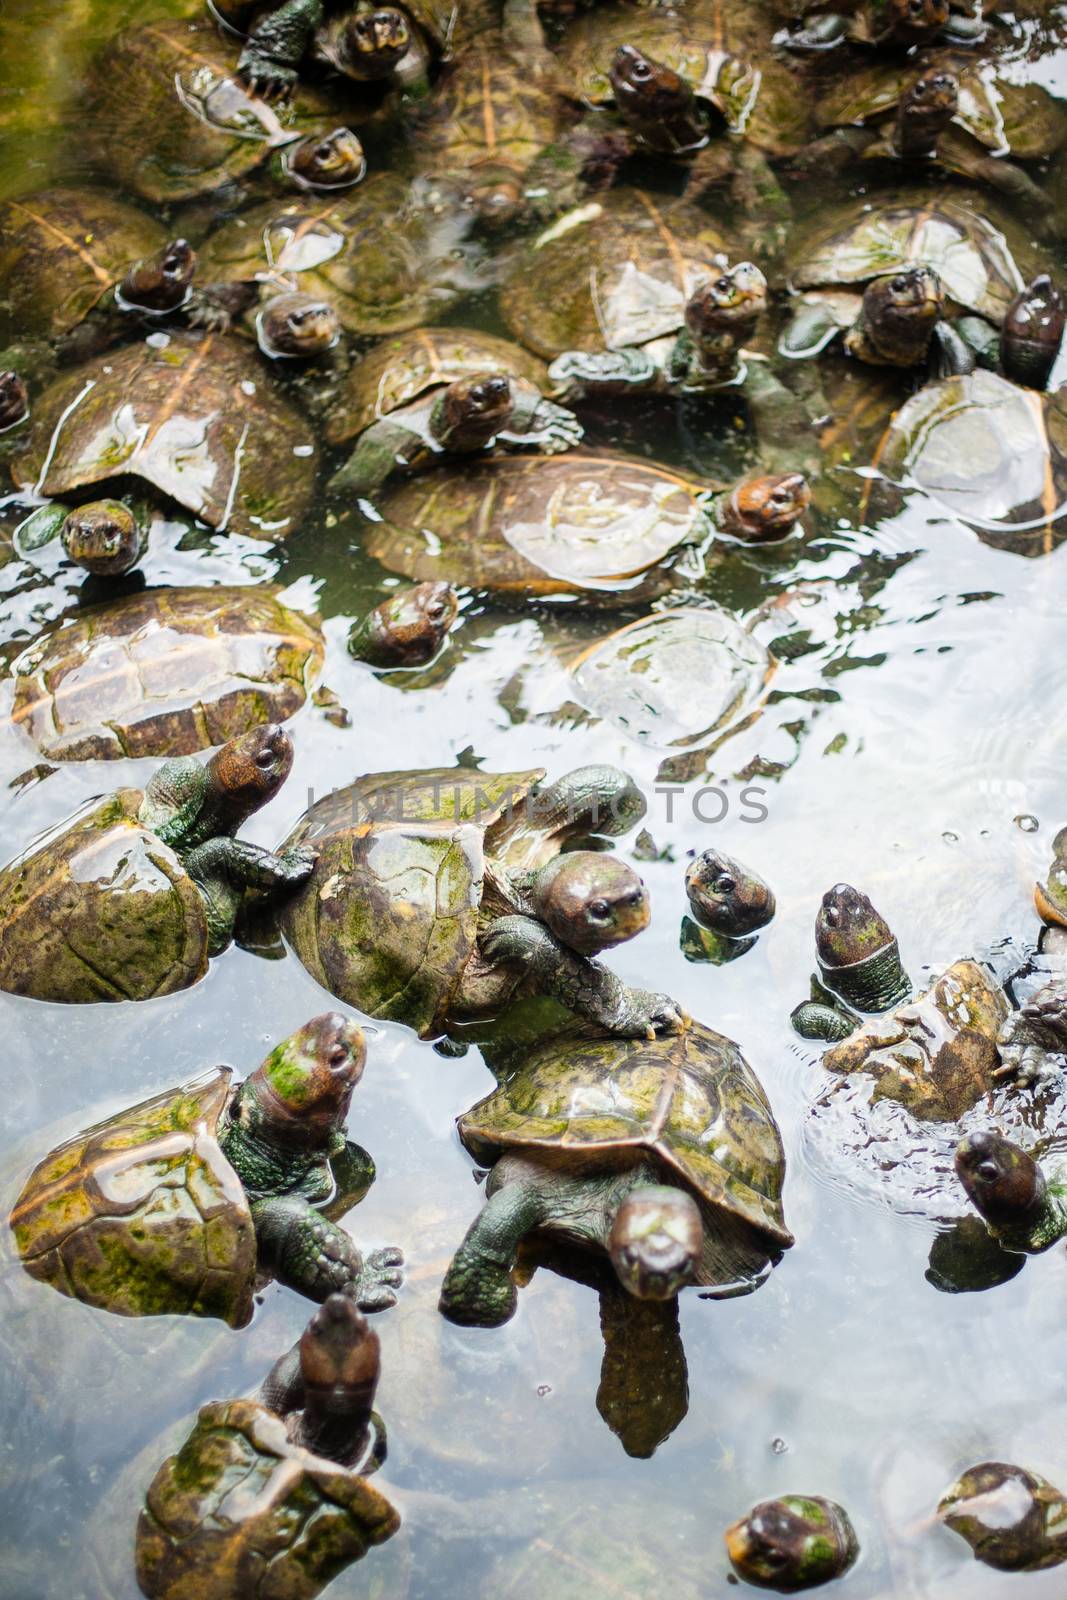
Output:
[[143, 1215], [409, 365], [239, 1510], [61, 251], [100, 909], [165, 673], [198, 418], [687, 1101]]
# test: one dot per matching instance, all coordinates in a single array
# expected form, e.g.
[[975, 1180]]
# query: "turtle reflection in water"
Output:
[[1013, 1520]]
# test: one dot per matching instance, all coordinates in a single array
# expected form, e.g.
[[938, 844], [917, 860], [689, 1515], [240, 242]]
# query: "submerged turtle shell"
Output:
[[373, 253], [143, 1215], [241, 1510], [674, 679], [100, 909], [169, 119], [576, 525], [388, 920], [400, 370], [165, 673], [197, 418], [61, 251], [615, 272], [688, 1101], [992, 454]]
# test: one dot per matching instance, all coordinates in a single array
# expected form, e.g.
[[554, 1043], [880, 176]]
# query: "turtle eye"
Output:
[[265, 760], [599, 910], [988, 1170], [641, 71], [725, 885]]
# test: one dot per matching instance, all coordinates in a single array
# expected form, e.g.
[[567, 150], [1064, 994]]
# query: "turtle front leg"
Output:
[[578, 374], [539, 424], [478, 1290], [823, 32], [1033, 1042], [277, 45], [583, 986], [223, 868], [378, 452], [309, 1253]]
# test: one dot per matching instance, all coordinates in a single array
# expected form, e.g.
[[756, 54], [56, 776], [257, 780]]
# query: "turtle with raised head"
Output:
[[407, 629], [798, 1541]]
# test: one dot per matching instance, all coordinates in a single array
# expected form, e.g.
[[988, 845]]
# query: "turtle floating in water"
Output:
[[131, 896], [1023, 1208], [172, 1205], [407, 629], [798, 1541], [309, 1441], [440, 895], [859, 965], [1013, 1520], [728, 905], [422, 398], [883, 23]]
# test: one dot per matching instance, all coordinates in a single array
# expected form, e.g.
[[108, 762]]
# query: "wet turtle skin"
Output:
[[1012, 1519], [197, 418], [165, 673]]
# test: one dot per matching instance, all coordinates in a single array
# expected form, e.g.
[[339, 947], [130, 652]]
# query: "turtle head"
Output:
[[926, 108], [848, 928], [103, 537], [1032, 332], [407, 629], [646, 92], [160, 282], [497, 197], [796, 1542], [334, 161], [298, 326], [915, 21], [247, 772], [1003, 1183], [656, 1241], [340, 1360], [729, 303], [14, 400], [1050, 897], [472, 410], [591, 901], [900, 311], [373, 44], [303, 1090], [725, 897], [765, 508]]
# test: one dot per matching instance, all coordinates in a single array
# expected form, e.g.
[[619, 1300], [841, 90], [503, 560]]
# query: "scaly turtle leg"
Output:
[[376, 455], [1033, 1041], [311, 1254], [581, 373], [223, 868], [478, 1290], [277, 45]]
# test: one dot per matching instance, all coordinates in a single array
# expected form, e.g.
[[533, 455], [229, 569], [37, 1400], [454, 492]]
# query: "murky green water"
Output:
[[913, 736]]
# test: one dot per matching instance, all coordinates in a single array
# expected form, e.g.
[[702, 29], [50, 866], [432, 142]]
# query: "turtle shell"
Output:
[[675, 679], [401, 369], [240, 1510], [616, 272], [169, 120], [165, 673], [99, 909], [971, 256], [143, 1215], [992, 454], [197, 418], [592, 526], [61, 251], [372, 252], [689, 1102]]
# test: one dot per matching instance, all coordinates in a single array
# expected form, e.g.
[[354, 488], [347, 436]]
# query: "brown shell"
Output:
[[197, 418], [165, 673]]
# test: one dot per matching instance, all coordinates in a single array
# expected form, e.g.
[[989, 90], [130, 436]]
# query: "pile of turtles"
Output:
[[410, 273]]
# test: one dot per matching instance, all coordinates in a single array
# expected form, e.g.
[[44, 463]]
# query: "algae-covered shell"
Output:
[[599, 527], [241, 1510], [61, 251], [197, 418], [617, 271], [689, 1102], [165, 672], [142, 1214], [100, 909], [409, 365]]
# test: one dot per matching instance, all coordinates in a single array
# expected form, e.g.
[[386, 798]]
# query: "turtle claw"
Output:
[[376, 1286], [267, 80], [651, 1014], [298, 863]]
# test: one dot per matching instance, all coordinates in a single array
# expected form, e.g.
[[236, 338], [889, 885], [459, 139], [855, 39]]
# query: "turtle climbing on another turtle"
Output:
[[604, 1144], [796, 1542], [174, 1205], [131, 897], [1013, 1519]]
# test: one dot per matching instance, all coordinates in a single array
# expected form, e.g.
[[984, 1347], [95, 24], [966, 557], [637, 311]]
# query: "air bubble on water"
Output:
[[1026, 823], [779, 1447], [543, 1389], [950, 838]]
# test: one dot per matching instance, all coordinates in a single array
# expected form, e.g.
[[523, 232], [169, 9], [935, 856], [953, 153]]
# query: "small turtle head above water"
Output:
[[763, 509], [731, 301], [472, 410], [926, 109], [295, 325], [14, 400], [407, 629], [1032, 332], [340, 1360], [372, 44], [656, 1242], [302, 1092], [334, 161], [725, 896], [796, 1542], [103, 537], [249, 771], [591, 901], [1003, 1183], [900, 312], [848, 928], [646, 91], [160, 282]]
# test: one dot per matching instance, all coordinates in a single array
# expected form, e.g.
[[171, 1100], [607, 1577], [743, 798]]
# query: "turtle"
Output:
[[302, 1442], [599, 528], [1023, 1207], [423, 396], [1012, 1518], [888, 277], [130, 897], [196, 419], [368, 43], [664, 1154], [439, 895], [725, 897], [377, 255], [987, 452], [883, 23], [171, 1205], [797, 1541], [859, 966], [165, 672], [14, 399], [167, 120], [406, 630]]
